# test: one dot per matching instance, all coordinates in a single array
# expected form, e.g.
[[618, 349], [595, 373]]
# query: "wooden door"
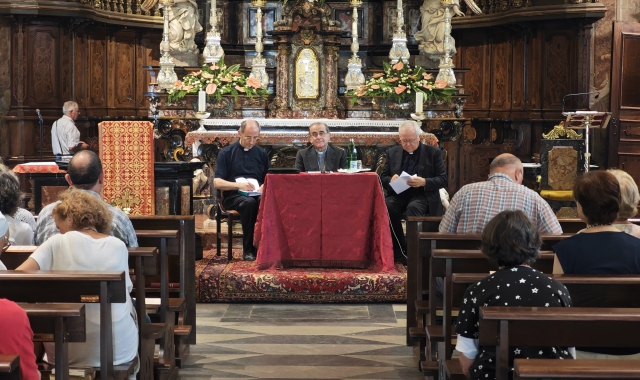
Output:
[[624, 129]]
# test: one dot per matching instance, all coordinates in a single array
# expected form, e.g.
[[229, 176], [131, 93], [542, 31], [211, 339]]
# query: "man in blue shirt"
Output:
[[243, 159]]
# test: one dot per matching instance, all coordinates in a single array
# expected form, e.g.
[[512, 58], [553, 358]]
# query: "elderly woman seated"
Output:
[[21, 214], [513, 242], [10, 197], [84, 243], [629, 199]]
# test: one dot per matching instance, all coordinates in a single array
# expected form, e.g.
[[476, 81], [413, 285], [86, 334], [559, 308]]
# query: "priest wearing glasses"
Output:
[[320, 156]]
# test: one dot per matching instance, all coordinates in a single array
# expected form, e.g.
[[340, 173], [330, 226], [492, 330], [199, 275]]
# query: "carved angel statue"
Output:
[[183, 24], [200, 181], [431, 37]]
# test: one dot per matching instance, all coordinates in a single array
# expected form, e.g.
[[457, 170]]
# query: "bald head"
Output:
[[85, 171], [508, 164]]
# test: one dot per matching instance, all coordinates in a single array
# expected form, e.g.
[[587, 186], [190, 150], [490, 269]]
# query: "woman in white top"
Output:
[[10, 197], [84, 243]]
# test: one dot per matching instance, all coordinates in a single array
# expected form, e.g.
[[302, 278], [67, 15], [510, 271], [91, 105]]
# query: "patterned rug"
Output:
[[221, 281]]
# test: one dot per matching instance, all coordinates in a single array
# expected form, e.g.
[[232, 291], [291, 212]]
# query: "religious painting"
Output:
[[307, 75], [268, 18], [344, 17]]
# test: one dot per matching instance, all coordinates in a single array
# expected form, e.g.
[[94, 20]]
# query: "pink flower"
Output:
[[196, 73], [240, 89], [427, 76], [211, 88], [178, 84], [378, 75], [429, 87], [394, 79], [375, 86], [214, 67], [254, 82], [226, 80], [400, 89], [412, 77], [398, 66], [236, 74], [441, 84], [207, 75], [187, 88]]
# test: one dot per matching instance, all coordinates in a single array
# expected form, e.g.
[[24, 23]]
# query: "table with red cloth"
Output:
[[328, 220]]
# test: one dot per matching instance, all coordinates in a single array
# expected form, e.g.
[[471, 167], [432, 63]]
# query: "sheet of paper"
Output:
[[400, 184], [252, 181]]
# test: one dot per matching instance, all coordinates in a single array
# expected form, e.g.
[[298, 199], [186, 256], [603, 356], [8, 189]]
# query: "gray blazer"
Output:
[[307, 159]]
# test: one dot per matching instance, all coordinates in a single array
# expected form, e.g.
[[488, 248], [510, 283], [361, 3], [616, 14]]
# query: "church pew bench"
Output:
[[551, 369], [9, 367], [181, 252], [587, 291], [105, 287], [569, 327], [60, 323], [427, 242], [443, 263]]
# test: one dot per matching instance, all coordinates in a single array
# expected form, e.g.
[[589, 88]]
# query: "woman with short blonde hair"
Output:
[[629, 199]]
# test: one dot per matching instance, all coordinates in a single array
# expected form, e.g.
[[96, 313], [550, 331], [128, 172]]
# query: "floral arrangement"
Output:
[[216, 80], [401, 83]]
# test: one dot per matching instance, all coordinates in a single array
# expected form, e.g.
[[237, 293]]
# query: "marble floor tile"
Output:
[[301, 341]]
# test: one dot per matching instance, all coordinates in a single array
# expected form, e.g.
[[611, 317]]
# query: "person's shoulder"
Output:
[[47, 210], [8, 306]]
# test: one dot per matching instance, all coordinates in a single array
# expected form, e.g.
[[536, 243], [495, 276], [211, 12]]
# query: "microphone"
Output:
[[39, 114], [564, 98]]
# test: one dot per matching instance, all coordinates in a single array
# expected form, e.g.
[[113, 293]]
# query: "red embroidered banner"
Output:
[[126, 151]]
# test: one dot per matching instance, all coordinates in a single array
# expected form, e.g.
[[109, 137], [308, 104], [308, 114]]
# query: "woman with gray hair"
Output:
[[21, 214], [20, 233], [629, 198]]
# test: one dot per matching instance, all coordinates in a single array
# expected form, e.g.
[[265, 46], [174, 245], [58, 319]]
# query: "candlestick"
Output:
[[202, 101], [419, 102]]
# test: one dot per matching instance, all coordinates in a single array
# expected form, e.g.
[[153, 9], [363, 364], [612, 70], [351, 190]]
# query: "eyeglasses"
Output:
[[408, 141], [251, 138], [318, 134]]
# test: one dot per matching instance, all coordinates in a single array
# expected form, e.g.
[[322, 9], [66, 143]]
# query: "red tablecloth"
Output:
[[38, 168], [333, 220]]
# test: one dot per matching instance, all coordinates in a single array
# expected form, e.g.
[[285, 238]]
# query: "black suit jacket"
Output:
[[307, 159], [431, 167]]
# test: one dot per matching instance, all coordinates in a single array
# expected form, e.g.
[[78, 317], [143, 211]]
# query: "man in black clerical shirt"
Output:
[[422, 197], [243, 159], [320, 156]]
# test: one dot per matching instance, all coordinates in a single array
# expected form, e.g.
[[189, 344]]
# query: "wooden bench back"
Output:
[[506, 327]]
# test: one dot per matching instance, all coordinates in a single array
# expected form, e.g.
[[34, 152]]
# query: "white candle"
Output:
[[419, 102], [202, 101]]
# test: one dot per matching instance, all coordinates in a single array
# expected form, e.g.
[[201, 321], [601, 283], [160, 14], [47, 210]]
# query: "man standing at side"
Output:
[[243, 159], [474, 205], [65, 137], [422, 197], [85, 173], [320, 156]]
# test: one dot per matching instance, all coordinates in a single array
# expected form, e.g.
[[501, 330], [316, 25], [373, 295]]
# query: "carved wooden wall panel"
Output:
[[97, 71], [65, 66], [558, 67], [122, 53], [518, 73], [148, 53], [43, 58], [631, 164], [501, 75], [80, 66], [630, 83], [534, 69], [474, 54], [475, 160]]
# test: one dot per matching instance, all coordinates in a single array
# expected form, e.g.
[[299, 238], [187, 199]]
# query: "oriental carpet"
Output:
[[217, 280]]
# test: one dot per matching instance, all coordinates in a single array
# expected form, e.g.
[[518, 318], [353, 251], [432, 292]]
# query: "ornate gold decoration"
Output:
[[560, 131], [307, 77], [127, 200]]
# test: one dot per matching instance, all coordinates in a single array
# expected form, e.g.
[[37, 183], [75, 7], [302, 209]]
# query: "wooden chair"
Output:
[[231, 216], [9, 367]]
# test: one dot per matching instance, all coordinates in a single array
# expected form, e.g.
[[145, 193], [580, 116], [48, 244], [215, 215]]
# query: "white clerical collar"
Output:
[[321, 153]]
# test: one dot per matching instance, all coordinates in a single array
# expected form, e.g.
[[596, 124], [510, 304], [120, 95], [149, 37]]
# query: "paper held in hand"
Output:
[[400, 184], [252, 181]]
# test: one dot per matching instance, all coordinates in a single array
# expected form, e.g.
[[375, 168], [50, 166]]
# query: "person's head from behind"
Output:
[[85, 171], [629, 196], [409, 134], [319, 136], [597, 195], [79, 210], [249, 133], [511, 239], [10, 194], [508, 164]]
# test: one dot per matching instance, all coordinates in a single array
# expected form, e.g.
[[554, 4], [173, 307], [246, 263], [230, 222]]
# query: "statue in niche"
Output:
[[431, 37], [183, 25]]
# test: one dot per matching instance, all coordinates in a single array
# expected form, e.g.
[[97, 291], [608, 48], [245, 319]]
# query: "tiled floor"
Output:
[[294, 341]]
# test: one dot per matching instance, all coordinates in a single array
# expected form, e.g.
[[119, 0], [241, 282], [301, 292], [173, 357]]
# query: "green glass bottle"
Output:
[[350, 157]]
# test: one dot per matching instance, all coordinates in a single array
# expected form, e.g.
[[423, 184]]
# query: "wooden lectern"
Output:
[[585, 120]]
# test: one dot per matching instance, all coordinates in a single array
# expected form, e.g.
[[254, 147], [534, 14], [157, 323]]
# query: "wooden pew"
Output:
[[74, 287], [552, 369], [59, 323], [9, 367], [595, 291], [443, 263], [574, 326], [181, 256]]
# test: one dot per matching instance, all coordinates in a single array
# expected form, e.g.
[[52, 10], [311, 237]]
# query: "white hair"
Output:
[[69, 106], [410, 124]]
